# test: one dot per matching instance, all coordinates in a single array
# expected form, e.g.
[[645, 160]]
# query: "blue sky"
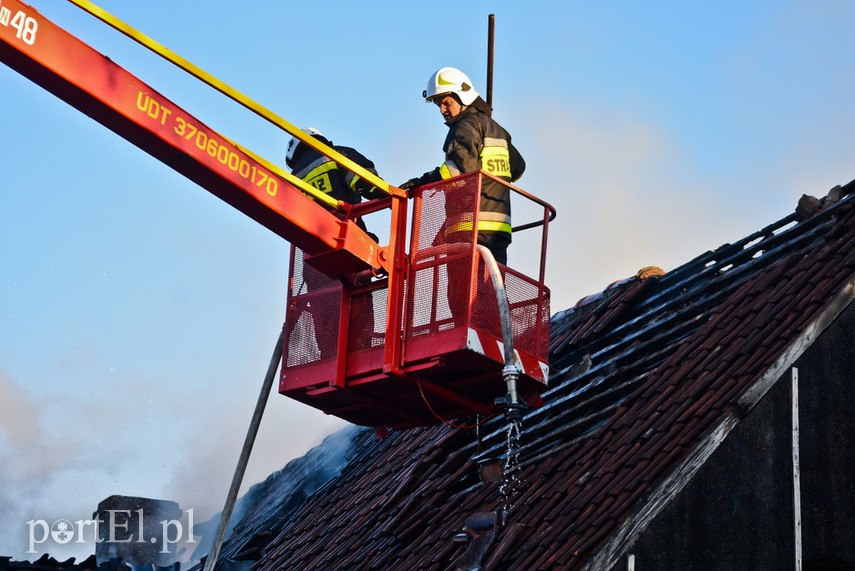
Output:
[[138, 312]]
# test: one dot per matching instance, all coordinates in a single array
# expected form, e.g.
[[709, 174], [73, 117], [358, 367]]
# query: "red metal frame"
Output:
[[440, 353], [436, 353]]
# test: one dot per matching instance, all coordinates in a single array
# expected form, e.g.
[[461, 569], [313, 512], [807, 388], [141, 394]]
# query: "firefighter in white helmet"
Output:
[[475, 142]]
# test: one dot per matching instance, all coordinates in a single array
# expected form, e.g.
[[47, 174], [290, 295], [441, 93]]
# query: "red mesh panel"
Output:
[[528, 302], [425, 305], [442, 246], [485, 308], [440, 294], [443, 215], [529, 306], [311, 324], [367, 323]]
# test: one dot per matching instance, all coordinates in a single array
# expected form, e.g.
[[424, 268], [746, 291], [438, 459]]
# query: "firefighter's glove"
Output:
[[363, 277], [357, 278]]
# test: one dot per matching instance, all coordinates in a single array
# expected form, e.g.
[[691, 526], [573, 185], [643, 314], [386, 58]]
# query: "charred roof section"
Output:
[[650, 376]]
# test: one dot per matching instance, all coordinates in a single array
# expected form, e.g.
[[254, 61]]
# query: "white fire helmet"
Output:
[[450, 80], [295, 142]]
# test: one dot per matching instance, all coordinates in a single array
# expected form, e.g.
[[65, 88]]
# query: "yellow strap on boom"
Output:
[[307, 188], [235, 95]]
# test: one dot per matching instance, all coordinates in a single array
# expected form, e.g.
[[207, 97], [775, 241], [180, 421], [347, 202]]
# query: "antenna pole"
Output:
[[491, 24]]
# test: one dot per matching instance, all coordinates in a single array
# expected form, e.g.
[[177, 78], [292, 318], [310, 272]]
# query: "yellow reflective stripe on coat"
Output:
[[488, 222], [493, 226], [496, 161], [352, 180], [459, 223], [319, 177], [448, 169], [483, 226], [327, 166]]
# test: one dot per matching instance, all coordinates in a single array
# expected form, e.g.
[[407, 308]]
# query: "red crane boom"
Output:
[[97, 86]]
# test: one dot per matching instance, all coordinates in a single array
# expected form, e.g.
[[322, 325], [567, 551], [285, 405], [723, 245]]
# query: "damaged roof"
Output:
[[646, 375]]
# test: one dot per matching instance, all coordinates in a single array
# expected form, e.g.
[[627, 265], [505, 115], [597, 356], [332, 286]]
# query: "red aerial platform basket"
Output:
[[443, 359]]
